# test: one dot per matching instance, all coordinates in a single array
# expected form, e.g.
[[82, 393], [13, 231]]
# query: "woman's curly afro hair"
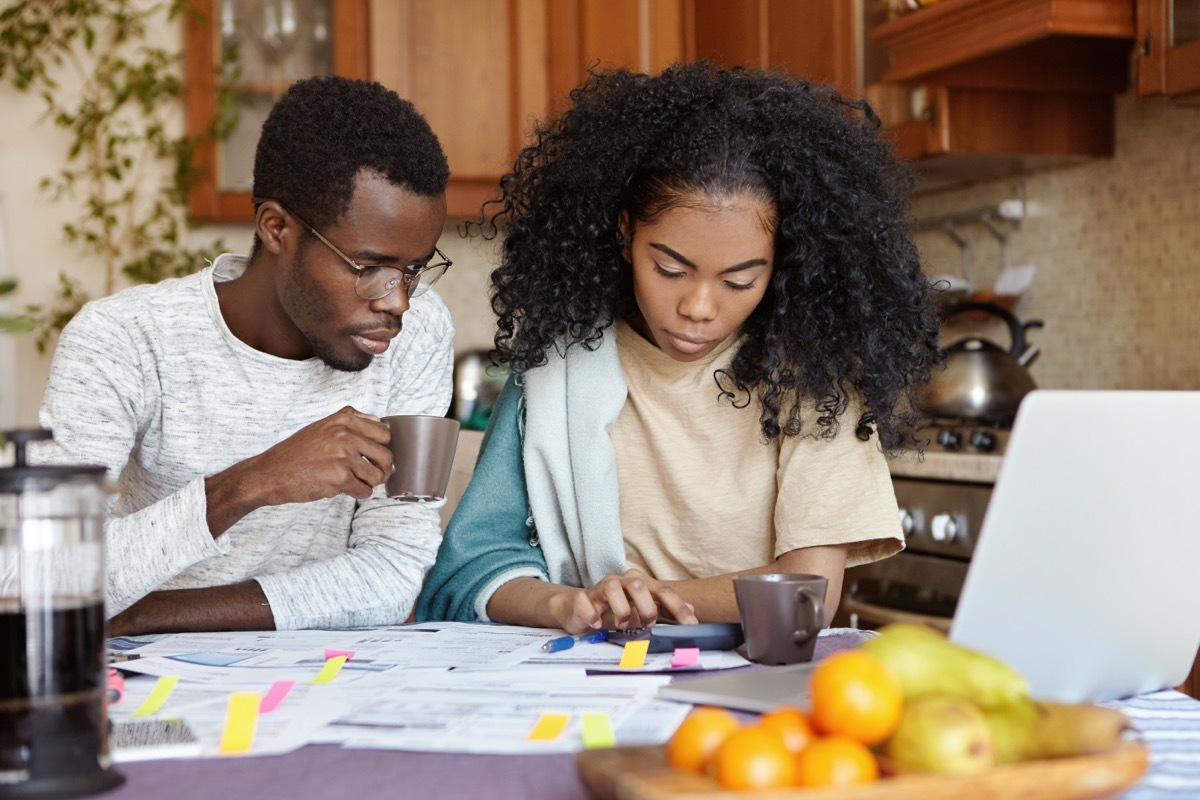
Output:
[[324, 130], [848, 314]]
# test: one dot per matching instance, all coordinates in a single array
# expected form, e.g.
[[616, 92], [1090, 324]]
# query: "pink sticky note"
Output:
[[275, 695], [685, 657], [331, 652]]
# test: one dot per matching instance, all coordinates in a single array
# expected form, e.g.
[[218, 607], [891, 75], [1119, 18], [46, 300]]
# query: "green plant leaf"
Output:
[[116, 120]]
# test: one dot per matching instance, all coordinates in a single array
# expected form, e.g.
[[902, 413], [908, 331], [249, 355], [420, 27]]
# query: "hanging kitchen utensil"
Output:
[[953, 289], [982, 381]]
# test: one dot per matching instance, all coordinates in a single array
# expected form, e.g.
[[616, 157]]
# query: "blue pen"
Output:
[[567, 642]]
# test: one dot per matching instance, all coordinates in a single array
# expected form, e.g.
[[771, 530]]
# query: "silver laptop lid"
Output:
[[1084, 578]]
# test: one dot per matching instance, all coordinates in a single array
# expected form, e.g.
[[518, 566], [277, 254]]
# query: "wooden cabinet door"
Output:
[[641, 35], [815, 39], [481, 71], [1168, 47], [1035, 125], [219, 191], [476, 69]]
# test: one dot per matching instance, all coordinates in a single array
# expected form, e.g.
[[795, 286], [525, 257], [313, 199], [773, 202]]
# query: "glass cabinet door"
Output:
[[1169, 47], [1185, 22], [272, 42], [241, 56]]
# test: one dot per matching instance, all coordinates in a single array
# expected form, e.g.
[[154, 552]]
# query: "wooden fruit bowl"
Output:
[[642, 773]]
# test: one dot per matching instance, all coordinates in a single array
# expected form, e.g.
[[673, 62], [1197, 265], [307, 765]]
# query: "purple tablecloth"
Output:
[[1169, 722], [328, 772]]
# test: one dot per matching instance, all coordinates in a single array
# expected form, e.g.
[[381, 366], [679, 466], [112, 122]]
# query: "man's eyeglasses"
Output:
[[376, 281]]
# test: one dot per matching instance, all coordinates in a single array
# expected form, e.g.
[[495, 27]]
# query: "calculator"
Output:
[[667, 638]]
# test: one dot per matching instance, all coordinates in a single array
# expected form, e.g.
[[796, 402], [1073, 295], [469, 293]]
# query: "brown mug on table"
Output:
[[422, 455], [781, 614]]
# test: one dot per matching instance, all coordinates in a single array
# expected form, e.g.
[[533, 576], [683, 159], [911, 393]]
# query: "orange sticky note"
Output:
[[634, 655], [548, 727], [685, 656], [241, 721], [332, 667]]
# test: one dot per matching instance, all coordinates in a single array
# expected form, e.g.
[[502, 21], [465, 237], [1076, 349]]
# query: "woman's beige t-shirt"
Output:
[[701, 494]]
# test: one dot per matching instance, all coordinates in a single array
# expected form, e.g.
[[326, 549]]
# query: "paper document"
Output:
[[497, 711], [448, 686]]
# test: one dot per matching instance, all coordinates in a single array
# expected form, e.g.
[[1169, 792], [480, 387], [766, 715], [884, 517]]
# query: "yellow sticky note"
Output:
[[332, 667], [634, 655], [548, 727], [162, 690], [597, 728], [241, 720]]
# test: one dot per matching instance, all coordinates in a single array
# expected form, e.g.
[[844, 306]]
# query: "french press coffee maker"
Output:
[[53, 719]]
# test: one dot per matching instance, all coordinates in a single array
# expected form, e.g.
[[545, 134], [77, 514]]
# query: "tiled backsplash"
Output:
[[1116, 243], [465, 287]]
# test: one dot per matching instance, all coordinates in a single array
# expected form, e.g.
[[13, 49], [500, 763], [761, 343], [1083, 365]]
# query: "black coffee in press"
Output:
[[53, 726]]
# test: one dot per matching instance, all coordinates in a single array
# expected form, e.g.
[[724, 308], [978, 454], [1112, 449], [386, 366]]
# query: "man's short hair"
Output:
[[324, 130]]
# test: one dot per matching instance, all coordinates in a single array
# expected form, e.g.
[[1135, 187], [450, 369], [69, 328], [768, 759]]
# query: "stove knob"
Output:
[[907, 523], [951, 440], [944, 528], [983, 441]]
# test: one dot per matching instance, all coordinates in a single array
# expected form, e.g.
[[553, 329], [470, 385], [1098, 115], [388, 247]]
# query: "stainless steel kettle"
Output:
[[982, 382]]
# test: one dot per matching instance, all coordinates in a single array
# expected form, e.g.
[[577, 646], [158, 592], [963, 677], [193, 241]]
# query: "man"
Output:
[[238, 408]]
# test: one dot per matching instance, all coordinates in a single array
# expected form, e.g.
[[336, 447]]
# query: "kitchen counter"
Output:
[[970, 467]]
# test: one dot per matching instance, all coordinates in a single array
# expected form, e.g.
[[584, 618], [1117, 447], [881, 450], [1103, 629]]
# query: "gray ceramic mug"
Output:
[[781, 615], [423, 455]]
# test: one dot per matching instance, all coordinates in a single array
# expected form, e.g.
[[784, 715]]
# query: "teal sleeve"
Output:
[[488, 535]]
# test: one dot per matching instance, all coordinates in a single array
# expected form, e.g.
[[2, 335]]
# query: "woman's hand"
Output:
[[630, 600]]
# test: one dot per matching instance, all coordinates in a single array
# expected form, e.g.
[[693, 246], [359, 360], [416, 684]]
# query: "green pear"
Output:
[[1040, 729], [926, 662], [1014, 730], [942, 733]]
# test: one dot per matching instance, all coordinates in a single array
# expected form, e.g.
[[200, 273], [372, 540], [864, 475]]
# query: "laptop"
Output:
[[1084, 577]]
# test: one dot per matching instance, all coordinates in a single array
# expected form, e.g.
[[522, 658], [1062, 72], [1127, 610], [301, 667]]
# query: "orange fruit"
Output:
[[791, 725], [754, 758], [835, 761], [855, 694], [697, 738]]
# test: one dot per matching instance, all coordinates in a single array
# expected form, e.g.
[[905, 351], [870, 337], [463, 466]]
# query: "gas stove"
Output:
[[941, 522], [959, 436], [941, 519]]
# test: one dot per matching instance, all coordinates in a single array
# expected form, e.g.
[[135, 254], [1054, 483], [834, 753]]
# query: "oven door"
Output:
[[907, 587]]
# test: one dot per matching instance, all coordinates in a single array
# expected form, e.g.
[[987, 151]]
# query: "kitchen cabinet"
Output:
[[277, 42], [1007, 88], [481, 71], [970, 90], [962, 135], [1168, 52], [1079, 46], [819, 41]]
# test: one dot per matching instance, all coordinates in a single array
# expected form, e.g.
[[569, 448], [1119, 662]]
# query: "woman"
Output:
[[716, 322]]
